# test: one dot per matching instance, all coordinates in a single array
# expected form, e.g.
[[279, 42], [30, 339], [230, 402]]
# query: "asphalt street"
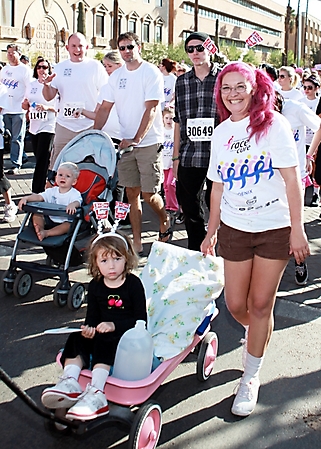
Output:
[[195, 414]]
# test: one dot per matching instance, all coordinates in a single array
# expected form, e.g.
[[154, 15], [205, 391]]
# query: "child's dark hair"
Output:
[[111, 244]]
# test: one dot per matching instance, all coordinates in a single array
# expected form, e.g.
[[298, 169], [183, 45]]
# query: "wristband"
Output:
[[175, 158], [311, 158]]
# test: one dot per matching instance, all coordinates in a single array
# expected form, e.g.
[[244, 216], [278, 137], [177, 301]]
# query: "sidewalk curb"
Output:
[[297, 311]]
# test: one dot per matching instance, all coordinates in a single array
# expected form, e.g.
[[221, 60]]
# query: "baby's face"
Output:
[[65, 178]]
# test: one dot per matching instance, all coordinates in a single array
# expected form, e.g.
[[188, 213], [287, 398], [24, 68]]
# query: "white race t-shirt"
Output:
[[129, 90], [78, 84], [254, 196], [167, 151], [292, 94], [111, 127], [169, 88], [53, 196], [300, 116], [17, 79], [44, 121], [311, 104]]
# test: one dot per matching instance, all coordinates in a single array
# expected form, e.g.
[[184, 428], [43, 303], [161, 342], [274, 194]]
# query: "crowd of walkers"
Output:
[[242, 140]]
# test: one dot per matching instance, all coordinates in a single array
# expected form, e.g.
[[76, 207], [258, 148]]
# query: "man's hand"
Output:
[[47, 80], [126, 143]]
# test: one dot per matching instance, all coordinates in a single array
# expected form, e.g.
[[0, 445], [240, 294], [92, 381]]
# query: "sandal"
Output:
[[163, 235]]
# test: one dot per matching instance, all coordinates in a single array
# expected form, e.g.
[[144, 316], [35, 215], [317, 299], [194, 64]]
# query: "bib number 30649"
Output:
[[200, 128]]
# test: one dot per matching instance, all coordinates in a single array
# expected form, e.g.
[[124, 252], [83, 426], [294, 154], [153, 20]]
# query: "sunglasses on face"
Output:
[[199, 48], [129, 47], [282, 76], [44, 67], [308, 87]]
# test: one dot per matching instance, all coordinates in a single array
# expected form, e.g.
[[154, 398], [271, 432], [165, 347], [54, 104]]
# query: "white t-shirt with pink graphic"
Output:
[[254, 196]]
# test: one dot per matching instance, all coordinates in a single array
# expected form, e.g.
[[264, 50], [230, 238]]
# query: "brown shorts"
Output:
[[238, 245], [142, 168]]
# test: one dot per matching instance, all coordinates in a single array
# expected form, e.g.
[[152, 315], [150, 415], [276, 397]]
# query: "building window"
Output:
[[159, 3], [158, 33], [100, 25], [132, 25], [146, 1], [100, 17], [146, 32], [7, 13]]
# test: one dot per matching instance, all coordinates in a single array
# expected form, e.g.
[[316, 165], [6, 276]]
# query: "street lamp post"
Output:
[[286, 36], [196, 15], [297, 35]]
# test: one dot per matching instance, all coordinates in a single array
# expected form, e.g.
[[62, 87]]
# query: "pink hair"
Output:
[[262, 105]]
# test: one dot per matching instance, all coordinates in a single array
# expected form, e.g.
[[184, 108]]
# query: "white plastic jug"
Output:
[[134, 355]]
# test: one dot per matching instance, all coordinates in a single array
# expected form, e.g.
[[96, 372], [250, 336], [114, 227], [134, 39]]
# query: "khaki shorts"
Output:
[[62, 137], [142, 168], [236, 246]]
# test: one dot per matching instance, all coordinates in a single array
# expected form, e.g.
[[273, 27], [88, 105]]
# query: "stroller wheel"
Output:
[[59, 299], [6, 283], [22, 284], [76, 296], [206, 356], [146, 428]]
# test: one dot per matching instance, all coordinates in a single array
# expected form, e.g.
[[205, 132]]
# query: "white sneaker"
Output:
[[10, 212], [62, 395], [246, 397], [91, 404]]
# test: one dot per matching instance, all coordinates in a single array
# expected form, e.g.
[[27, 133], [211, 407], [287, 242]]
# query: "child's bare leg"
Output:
[[39, 225], [60, 229]]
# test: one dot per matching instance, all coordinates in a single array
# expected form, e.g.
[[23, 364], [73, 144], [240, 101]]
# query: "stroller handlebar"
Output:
[[41, 207]]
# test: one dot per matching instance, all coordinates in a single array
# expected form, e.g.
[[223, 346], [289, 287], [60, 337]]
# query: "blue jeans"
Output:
[[16, 124]]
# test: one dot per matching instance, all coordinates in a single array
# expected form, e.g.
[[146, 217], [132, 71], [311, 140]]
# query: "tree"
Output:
[[81, 22], [232, 52], [99, 55], [275, 58], [154, 53], [252, 57]]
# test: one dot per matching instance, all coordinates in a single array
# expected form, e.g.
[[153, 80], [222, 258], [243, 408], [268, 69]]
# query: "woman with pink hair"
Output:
[[256, 210]]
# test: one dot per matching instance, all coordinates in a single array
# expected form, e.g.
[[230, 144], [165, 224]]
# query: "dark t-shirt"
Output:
[[123, 305]]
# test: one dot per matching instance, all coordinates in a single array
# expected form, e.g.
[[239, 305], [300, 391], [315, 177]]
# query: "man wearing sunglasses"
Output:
[[78, 81], [137, 90], [195, 119]]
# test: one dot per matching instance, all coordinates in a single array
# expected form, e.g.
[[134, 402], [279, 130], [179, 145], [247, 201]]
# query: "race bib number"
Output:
[[38, 115], [200, 129], [73, 110]]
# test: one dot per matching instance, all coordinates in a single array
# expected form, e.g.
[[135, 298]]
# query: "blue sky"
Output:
[[314, 6]]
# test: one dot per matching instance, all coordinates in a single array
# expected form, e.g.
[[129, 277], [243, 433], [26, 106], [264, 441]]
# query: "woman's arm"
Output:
[[299, 245], [208, 244], [313, 150]]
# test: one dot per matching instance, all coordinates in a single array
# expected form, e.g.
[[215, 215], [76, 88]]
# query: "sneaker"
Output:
[[91, 404], [13, 171], [180, 218], [62, 395], [301, 273], [10, 212], [246, 398], [315, 200], [244, 343]]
